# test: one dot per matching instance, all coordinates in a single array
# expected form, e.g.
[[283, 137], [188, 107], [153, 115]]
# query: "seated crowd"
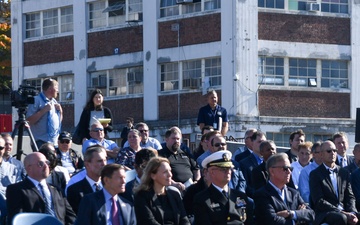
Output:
[[147, 182]]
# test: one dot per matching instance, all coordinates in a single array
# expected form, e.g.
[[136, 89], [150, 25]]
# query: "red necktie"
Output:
[[115, 218]]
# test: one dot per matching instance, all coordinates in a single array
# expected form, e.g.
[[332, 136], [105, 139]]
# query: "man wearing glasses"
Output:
[[219, 204], [97, 135], [146, 141], [275, 203], [66, 156], [330, 190], [33, 194]]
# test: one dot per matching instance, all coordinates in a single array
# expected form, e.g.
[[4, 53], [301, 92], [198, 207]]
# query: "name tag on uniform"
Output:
[[214, 205]]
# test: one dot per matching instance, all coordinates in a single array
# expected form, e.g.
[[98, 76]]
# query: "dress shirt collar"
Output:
[[226, 188]]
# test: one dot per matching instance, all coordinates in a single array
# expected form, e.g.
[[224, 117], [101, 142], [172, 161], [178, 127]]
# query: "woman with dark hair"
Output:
[[94, 109], [155, 203]]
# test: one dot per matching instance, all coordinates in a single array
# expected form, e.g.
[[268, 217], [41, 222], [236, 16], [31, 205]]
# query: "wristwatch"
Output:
[[291, 214]]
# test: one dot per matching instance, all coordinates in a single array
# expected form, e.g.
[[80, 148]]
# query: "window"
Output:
[[168, 8], [97, 17], [169, 80], [275, 4], [49, 22], [212, 4], [299, 4], [303, 72], [334, 74], [300, 70], [270, 70], [114, 12], [213, 71], [171, 8], [331, 6], [33, 25], [117, 82], [135, 80], [66, 88], [191, 8], [66, 19], [335, 6], [36, 83], [192, 74]]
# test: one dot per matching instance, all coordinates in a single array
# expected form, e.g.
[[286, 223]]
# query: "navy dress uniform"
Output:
[[219, 204]]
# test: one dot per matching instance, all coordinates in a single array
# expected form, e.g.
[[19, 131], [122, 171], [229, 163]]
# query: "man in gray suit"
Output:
[[106, 206]]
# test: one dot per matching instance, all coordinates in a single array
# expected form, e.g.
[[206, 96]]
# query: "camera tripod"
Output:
[[20, 125]]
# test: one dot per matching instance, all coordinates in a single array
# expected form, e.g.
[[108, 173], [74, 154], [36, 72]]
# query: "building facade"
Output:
[[277, 65]]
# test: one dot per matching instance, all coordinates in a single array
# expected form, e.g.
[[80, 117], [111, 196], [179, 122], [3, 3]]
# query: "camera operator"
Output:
[[45, 115]]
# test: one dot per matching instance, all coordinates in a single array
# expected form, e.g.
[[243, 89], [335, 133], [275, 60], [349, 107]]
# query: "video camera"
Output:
[[23, 96]]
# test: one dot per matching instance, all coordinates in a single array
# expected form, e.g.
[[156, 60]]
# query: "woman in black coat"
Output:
[[94, 108], [154, 202]]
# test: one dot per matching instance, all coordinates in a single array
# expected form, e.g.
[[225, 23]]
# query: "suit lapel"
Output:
[[275, 195], [216, 194], [124, 213]]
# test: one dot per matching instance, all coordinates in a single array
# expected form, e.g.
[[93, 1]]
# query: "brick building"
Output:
[[278, 65]]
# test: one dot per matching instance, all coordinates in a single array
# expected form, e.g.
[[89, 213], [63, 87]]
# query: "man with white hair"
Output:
[[97, 135]]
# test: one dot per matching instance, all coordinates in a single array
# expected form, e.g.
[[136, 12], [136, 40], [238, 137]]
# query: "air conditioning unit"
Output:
[[135, 17], [183, 1], [135, 77], [313, 7]]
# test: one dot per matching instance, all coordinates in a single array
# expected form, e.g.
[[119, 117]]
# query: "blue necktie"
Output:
[[48, 208]]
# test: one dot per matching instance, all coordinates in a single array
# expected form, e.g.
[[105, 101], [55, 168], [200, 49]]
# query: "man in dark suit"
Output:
[[330, 190], [243, 152], [342, 144], [34, 195], [296, 138], [277, 204], [218, 204], [259, 174], [95, 160], [252, 161], [106, 206], [141, 159]]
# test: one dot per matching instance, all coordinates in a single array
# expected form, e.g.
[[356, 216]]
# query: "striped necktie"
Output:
[[47, 199]]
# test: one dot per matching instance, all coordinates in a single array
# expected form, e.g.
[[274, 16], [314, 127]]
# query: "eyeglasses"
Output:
[[285, 168], [41, 164], [97, 130], [2, 147], [143, 131], [331, 150], [219, 144], [222, 169], [64, 141]]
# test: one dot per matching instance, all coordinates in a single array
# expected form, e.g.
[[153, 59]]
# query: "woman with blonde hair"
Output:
[[154, 201]]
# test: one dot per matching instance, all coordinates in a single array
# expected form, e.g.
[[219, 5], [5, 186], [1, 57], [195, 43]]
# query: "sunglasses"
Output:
[[97, 130], [65, 141], [219, 144], [285, 168], [143, 131], [2, 147], [41, 164], [331, 150]]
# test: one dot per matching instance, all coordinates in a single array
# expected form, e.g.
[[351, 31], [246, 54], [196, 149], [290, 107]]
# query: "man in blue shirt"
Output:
[[213, 114], [45, 115]]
